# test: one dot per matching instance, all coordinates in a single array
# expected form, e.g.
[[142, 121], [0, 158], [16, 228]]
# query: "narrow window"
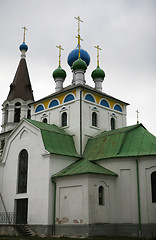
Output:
[[64, 119], [6, 114], [17, 113], [153, 186], [22, 171], [29, 114], [112, 123], [101, 195], [94, 119], [44, 120]]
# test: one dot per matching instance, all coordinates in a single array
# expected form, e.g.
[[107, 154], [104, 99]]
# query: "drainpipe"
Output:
[[54, 207], [81, 122], [138, 195]]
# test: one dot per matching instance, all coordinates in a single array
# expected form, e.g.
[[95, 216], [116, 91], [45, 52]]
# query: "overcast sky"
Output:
[[124, 29]]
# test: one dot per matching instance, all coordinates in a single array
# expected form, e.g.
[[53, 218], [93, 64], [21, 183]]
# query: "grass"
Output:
[[66, 238]]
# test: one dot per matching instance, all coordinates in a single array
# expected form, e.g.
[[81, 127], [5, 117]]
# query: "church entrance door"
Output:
[[21, 211]]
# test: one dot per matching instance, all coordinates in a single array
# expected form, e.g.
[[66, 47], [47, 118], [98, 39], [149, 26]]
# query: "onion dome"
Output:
[[59, 73], [23, 46], [79, 64], [73, 56], [98, 73]]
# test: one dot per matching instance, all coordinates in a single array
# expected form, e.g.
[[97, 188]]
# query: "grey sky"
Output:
[[124, 29]]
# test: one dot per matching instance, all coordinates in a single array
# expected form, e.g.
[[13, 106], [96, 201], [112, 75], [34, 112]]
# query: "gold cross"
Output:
[[137, 116], [98, 48], [79, 38], [24, 33], [79, 20], [60, 54]]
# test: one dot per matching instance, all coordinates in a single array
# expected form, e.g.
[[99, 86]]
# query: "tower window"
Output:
[[29, 114], [64, 119], [6, 114], [17, 113], [153, 186], [101, 195], [112, 123], [22, 171], [94, 119]]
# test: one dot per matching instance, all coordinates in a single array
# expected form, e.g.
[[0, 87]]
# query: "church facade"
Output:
[[69, 164]]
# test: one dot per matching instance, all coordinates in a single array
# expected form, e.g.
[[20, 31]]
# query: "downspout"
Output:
[[54, 207], [81, 122], [138, 196]]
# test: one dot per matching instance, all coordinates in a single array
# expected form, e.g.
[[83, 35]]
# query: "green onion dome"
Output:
[[59, 73], [79, 64], [98, 73]]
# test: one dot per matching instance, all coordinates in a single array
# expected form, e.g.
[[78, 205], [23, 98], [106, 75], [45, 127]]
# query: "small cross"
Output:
[[98, 48], [24, 33], [59, 54], [79, 38], [137, 116], [79, 20]]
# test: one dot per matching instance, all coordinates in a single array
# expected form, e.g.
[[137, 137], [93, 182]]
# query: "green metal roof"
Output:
[[83, 166], [55, 139], [123, 142]]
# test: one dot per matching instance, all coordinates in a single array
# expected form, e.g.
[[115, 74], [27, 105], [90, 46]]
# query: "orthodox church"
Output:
[[69, 164]]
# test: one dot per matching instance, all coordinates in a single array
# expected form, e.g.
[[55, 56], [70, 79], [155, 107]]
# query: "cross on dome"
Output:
[[79, 38], [24, 28], [60, 48], [98, 48]]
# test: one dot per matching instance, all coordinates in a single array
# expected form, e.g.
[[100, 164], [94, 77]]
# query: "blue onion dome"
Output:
[[59, 73], [79, 64], [98, 73], [23, 46], [73, 56]]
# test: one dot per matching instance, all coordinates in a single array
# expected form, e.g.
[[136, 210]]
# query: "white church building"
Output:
[[69, 164]]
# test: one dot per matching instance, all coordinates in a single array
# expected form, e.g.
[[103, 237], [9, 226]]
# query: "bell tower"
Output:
[[16, 106]]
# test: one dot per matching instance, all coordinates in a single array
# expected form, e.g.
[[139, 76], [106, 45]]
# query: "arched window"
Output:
[[68, 98], [90, 98], [22, 171], [153, 186], [94, 119], [17, 113], [101, 195], [118, 108], [6, 114], [53, 103], [44, 120], [112, 123], [39, 108], [64, 119], [104, 103]]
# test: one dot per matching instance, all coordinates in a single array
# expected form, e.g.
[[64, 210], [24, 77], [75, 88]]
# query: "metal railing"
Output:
[[7, 218]]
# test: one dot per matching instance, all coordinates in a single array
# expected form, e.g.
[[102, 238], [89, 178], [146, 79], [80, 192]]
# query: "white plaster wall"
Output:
[[125, 189], [101, 213], [72, 200], [56, 163], [73, 110], [147, 165], [38, 177]]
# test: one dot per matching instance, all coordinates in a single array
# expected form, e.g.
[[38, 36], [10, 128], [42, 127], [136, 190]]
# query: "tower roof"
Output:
[[21, 86]]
